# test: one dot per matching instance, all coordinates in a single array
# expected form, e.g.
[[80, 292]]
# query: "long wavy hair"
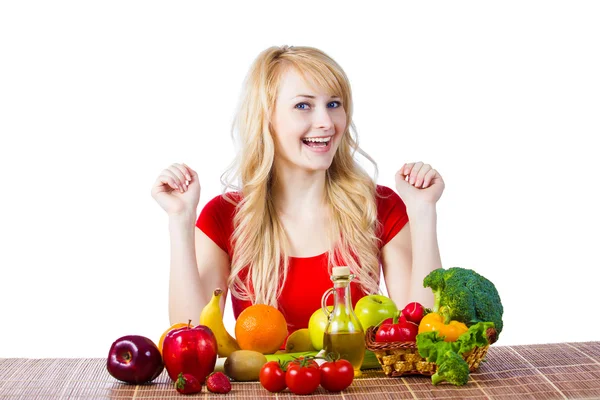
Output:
[[259, 239]]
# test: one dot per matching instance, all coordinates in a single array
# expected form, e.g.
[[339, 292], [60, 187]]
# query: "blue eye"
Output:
[[332, 104]]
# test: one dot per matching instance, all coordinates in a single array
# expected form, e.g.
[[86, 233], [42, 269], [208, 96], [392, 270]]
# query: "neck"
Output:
[[296, 189]]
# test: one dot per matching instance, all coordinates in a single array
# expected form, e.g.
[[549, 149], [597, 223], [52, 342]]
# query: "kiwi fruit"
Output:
[[244, 365]]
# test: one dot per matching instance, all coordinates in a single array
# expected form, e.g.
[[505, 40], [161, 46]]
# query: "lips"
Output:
[[318, 145]]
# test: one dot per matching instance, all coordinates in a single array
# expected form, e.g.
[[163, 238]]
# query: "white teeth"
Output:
[[317, 139]]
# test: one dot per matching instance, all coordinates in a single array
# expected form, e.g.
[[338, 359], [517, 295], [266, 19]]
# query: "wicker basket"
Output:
[[402, 358]]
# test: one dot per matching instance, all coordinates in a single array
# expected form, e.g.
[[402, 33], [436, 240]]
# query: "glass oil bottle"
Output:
[[344, 334]]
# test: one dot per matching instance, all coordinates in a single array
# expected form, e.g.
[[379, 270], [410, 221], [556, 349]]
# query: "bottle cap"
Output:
[[340, 271]]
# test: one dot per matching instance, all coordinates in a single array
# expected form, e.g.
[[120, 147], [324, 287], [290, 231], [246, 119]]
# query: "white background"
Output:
[[97, 98]]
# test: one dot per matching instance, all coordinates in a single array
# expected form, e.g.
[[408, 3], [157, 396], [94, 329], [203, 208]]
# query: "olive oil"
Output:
[[343, 334], [349, 345]]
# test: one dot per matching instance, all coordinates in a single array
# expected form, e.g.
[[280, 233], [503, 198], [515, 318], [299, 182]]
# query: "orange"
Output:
[[162, 338], [261, 328]]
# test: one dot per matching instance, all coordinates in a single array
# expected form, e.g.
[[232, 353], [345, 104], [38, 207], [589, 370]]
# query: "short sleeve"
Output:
[[391, 212], [216, 221]]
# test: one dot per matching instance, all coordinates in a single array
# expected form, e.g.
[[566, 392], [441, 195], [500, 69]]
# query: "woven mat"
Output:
[[549, 371]]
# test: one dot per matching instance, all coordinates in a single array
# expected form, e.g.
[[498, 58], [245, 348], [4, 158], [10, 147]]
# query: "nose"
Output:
[[322, 119]]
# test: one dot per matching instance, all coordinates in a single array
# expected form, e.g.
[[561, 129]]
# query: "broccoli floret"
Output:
[[468, 296], [453, 369]]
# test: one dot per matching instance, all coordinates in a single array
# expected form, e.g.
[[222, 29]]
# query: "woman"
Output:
[[304, 204]]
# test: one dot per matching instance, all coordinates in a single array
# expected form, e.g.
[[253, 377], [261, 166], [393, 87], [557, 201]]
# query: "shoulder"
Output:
[[219, 211], [216, 218], [387, 198], [391, 214], [223, 204], [384, 190]]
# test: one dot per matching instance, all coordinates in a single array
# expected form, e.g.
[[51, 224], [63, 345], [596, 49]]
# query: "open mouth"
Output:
[[317, 142]]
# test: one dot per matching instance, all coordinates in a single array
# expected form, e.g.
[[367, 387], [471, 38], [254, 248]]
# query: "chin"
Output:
[[318, 167], [322, 164]]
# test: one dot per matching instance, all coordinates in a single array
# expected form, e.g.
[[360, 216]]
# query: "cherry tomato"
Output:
[[272, 377], [336, 375], [303, 376]]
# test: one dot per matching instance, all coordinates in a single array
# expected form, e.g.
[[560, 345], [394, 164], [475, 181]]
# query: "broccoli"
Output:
[[467, 296], [453, 369]]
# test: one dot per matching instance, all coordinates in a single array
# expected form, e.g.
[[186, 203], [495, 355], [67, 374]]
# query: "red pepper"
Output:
[[398, 331]]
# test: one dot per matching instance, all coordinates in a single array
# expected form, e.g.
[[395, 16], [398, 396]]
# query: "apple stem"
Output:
[[189, 323]]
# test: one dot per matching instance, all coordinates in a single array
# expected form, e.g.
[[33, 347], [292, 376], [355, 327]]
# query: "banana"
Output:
[[211, 317]]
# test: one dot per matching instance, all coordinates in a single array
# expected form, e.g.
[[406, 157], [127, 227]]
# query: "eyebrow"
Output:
[[313, 97]]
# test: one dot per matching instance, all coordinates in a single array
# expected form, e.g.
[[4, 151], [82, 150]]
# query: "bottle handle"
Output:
[[324, 302]]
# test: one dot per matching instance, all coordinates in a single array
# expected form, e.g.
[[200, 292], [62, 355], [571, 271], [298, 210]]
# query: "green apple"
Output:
[[316, 327], [373, 309]]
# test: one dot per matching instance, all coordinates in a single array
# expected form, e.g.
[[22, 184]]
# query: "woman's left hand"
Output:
[[423, 187]]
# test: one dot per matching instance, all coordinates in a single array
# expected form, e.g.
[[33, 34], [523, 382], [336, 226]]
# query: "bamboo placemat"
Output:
[[548, 371]]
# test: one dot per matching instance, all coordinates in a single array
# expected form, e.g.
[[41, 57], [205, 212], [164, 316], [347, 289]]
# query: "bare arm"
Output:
[[198, 266], [414, 252], [410, 256]]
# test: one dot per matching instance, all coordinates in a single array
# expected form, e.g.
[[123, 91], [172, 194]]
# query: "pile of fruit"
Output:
[[188, 353], [467, 308]]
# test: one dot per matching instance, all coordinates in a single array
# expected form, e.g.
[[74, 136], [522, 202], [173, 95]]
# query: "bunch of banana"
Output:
[[211, 316]]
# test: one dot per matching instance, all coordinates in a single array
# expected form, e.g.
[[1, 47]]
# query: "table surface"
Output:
[[545, 371]]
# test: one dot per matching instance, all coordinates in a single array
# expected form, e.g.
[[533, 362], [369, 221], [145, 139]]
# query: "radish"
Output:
[[414, 312]]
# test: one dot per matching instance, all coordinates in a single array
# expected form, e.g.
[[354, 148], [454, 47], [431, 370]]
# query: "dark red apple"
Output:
[[134, 359], [190, 350]]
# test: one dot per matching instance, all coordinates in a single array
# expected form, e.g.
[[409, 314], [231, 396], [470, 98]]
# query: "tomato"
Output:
[[303, 376], [272, 377], [336, 375]]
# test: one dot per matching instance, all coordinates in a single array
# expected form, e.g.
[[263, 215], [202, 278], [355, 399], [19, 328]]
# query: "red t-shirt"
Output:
[[309, 275]]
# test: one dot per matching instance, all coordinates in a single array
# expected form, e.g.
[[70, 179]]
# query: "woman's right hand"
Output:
[[177, 190]]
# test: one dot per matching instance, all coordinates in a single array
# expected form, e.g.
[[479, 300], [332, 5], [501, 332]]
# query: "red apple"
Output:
[[134, 359], [190, 350]]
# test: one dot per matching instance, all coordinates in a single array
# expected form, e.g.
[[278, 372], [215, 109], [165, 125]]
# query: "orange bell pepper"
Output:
[[434, 321]]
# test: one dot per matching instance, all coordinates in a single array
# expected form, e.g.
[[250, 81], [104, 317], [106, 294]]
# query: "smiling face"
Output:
[[308, 124]]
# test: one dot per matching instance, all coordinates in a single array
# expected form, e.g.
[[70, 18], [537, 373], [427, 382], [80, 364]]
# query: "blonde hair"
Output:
[[259, 239]]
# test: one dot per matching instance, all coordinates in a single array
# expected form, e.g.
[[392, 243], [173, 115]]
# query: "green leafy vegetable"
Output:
[[479, 335], [433, 347]]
